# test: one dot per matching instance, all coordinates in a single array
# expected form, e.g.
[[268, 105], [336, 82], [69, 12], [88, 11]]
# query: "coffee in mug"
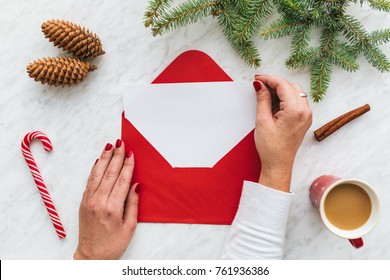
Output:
[[348, 207]]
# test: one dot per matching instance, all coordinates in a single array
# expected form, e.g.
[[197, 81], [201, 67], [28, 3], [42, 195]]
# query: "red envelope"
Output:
[[190, 195]]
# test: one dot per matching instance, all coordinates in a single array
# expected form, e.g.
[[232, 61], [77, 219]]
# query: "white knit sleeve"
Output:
[[259, 227]]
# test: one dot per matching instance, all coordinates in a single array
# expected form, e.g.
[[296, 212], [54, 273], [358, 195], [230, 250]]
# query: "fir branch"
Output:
[[301, 38], [303, 58], [356, 33], [227, 18], [376, 57], [280, 28], [343, 60], [251, 20], [381, 5], [320, 78], [244, 28], [379, 37], [301, 54], [351, 50], [248, 51], [296, 8], [245, 48], [353, 30], [186, 13], [241, 5], [154, 10], [239, 20], [322, 67]]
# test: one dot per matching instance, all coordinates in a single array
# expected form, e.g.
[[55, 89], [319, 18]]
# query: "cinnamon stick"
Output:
[[335, 124]]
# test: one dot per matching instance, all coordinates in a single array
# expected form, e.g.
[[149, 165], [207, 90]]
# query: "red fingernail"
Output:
[[118, 143], [257, 85], [128, 154], [137, 188], [96, 161], [108, 147]]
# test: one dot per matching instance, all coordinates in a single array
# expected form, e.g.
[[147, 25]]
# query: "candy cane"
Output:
[[38, 177]]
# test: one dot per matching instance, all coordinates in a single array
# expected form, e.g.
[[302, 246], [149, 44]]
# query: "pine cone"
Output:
[[59, 71], [72, 38]]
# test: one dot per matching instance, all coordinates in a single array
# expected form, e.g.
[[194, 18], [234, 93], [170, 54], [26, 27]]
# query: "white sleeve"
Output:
[[259, 227]]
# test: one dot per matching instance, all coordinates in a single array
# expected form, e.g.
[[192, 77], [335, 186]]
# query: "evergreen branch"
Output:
[[342, 60], [154, 10], [379, 37], [249, 23], [185, 14], [303, 58], [227, 19], [320, 78], [243, 46], [322, 68], [280, 28], [301, 55], [376, 58], [353, 30], [381, 5], [239, 19], [248, 51], [301, 38], [351, 50], [241, 5], [344, 55], [297, 7]]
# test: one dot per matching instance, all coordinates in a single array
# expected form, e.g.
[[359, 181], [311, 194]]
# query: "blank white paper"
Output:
[[192, 124]]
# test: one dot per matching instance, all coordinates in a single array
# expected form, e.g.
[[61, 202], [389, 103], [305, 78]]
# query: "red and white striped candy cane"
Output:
[[38, 177]]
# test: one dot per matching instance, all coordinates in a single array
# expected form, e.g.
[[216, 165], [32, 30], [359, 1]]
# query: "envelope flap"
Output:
[[192, 66]]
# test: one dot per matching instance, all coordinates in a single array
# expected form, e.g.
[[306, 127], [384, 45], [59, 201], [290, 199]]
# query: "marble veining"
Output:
[[81, 120]]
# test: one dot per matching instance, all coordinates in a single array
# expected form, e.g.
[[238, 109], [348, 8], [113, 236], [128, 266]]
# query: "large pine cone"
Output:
[[72, 38], [59, 71]]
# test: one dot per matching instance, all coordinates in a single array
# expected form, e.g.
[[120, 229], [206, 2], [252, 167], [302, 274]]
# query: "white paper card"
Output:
[[192, 124]]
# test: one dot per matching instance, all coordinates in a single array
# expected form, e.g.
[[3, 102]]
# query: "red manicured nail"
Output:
[[257, 85], [96, 161], [128, 154], [137, 188], [108, 147], [118, 143]]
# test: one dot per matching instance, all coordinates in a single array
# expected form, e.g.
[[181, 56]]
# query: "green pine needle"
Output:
[[343, 60], [321, 74], [154, 10], [376, 58], [380, 37], [353, 30], [251, 20], [343, 37], [381, 5], [303, 58], [280, 28], [185, 14], [245, 48]]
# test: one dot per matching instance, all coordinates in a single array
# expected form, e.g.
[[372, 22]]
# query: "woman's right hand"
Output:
[[109, 208], [279, 135]]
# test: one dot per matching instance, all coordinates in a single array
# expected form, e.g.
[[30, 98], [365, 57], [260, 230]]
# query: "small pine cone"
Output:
[[73, 38], [59, 71]]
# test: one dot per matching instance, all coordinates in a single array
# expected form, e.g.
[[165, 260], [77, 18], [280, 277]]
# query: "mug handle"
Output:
[[357, 243]]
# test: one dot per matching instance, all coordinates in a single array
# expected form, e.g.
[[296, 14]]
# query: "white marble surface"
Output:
[[81, 120]]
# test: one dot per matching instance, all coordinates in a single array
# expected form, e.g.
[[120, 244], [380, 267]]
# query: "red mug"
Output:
[[319, 191]]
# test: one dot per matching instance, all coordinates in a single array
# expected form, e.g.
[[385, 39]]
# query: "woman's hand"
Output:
[[109, 207], [278, 135]]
